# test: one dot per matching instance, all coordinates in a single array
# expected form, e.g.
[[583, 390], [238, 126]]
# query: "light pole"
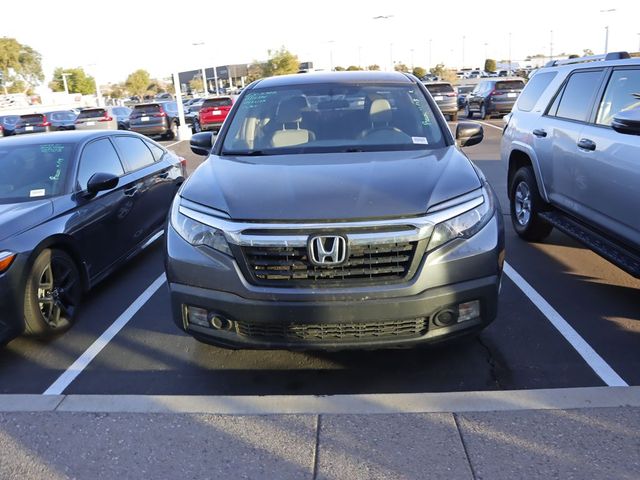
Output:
[[331, 42], [387, 17], [64, 81], [463, 41], [485, 50], [509, 53], [360, 57], [412, 65], [430, 42], [551, 45], [204, 72], [606, 31]]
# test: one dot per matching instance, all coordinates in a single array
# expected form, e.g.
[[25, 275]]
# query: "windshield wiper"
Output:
[[244, 153]]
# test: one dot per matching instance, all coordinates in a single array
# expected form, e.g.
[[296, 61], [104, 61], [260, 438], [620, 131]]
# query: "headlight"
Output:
[[464, 225], [197, 233]]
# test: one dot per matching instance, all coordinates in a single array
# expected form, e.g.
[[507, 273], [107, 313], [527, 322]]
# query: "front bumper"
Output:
[[459, 272]]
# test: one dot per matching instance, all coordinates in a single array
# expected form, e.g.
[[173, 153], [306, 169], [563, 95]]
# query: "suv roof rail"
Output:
[[591, 58]]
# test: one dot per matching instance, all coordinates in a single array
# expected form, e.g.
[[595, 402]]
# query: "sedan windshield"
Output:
[[337, 117], [33, 171]]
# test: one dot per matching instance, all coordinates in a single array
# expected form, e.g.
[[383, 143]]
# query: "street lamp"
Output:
[[331, 42], [551, 46], [387, 17], [204, 73], [606, 31], [430, 42], [64, 81]]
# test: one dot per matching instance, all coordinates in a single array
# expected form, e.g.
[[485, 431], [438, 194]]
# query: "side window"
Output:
[[156, 151], [579, 91], [622, 94], [534, 90], [98, 157], [135, 152]]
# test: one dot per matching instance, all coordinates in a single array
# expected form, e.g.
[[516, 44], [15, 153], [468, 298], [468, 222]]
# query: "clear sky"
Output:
[[114, 38]]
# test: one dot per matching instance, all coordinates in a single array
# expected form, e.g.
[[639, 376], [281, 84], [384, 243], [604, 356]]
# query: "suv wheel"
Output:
[[172, 134], [483, 112], [526, 205], [196, 126], [467, 113]]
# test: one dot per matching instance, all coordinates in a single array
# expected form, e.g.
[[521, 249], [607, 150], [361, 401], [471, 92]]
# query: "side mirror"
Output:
[[627, 122], [468, 134], [100, 182], [201, 143]]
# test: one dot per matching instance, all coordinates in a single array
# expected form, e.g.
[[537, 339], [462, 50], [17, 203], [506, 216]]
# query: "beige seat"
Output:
[[380, 116], [288, 119]]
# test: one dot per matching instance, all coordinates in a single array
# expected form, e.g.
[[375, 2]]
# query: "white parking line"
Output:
[[595, 361], [487, 124], [174, 143], [96, 347]]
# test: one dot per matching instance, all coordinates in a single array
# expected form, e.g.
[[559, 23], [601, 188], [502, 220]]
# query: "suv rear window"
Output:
[[61, 116], [217, 102], [92, 113], [35, 117], [439, 88], [146, 109], [534, 89], [510, 85]]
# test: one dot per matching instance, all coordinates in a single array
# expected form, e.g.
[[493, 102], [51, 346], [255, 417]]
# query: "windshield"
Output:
[[331, 118], [510, 85], [170, 107], [439, 88], [61, 116], [37, 171], [92, 113]]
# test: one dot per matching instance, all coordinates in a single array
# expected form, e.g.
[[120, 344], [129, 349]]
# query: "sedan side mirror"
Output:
[[627, 122], [201, 143], [100, 182], [468, 134]]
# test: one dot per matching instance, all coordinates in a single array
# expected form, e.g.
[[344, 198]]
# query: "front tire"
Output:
[[467, 112], [52, 294], [526, 204]]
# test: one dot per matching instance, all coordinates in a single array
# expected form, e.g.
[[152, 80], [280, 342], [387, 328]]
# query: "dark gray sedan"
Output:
[[75, 206]]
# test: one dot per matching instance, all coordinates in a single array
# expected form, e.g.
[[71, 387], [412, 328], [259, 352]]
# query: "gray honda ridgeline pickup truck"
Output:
[[335, 210]]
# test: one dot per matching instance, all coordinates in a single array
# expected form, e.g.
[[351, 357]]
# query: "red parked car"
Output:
[[213, 112]]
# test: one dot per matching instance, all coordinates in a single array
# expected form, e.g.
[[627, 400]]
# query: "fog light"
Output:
[[198, 316], [468, 311], [445, 318]]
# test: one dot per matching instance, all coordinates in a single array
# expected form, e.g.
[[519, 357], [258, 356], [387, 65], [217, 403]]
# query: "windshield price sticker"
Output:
[[420, 140], [41, 192], [51, 148]]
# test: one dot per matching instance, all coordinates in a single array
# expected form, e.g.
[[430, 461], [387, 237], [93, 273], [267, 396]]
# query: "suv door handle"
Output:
[[539, 133], [130, 192], [587, 144]]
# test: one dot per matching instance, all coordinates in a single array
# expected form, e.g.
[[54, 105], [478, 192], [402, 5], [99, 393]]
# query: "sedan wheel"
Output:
[[52, 293], [483, 112]]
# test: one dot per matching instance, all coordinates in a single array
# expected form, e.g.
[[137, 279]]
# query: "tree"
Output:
[[374, 68], [281, 62], [338, 69], [19, 63], [117, 91], [401, 67], [138, 82], [255, 72], [419, 72], [196, 84], [443, 73], [77, 82], [490, 65], [587, 52], [353, 68]]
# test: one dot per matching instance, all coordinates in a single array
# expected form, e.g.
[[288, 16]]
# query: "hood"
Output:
[[331, 186], [17, 217]]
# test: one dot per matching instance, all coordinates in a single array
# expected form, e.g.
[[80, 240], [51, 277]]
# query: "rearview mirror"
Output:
[[100, 182], [468, 134], [201, 143], [627, 122]]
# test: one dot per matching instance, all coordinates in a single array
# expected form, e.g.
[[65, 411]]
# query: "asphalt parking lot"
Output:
[[567, 318]]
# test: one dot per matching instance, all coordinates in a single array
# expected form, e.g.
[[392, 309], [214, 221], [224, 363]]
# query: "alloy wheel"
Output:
[[522, 203]]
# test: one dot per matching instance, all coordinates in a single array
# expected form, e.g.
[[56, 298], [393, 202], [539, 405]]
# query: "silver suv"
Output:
[[572, 146]]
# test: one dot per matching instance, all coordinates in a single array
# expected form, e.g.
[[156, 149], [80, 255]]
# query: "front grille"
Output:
[[366, 264], [318, 332]]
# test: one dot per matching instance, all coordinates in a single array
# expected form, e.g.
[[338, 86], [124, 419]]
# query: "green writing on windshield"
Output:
[[51, 148]]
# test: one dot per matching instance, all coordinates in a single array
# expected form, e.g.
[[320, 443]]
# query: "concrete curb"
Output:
[[449, 402]]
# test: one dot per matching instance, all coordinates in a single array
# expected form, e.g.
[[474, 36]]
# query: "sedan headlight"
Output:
[[197, 233], [464, 225]]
